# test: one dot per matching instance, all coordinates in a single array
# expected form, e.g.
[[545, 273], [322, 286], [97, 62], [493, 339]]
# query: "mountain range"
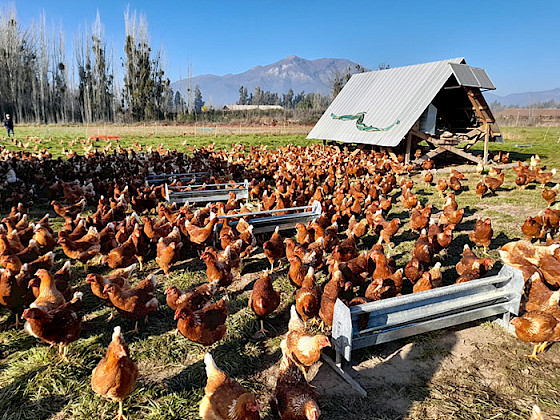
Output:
[[524, 98], [296, 73], [310, 76]]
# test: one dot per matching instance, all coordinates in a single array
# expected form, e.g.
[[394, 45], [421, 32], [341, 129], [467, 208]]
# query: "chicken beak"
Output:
[[120, 351]]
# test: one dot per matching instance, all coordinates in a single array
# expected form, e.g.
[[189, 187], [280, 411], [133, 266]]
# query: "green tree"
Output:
[[242, 96], [288, 99], [198, 102], [146, 89], [179, 103], [264, 97]]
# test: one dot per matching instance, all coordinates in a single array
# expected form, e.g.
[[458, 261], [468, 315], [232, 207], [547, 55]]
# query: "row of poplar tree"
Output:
[[38, 83]]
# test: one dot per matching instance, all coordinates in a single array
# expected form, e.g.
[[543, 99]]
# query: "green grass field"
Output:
[[36, 384]]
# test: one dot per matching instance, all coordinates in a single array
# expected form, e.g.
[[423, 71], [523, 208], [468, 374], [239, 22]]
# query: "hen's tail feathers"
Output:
[[211, 367], [152, 304], [295, 322], [536, 414], [116, 333]]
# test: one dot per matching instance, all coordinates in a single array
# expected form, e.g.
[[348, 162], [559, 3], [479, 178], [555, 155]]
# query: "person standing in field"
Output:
[[9, 125]]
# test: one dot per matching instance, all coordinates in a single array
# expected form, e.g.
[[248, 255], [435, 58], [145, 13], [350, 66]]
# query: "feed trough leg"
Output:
[[337, 367]]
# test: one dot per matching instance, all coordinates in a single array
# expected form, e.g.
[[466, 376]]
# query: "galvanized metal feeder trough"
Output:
[[391, 319], [206, 193], [184, 177], [267, 220]]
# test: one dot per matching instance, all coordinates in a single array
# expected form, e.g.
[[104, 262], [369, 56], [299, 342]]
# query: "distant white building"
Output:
[[235, 107]]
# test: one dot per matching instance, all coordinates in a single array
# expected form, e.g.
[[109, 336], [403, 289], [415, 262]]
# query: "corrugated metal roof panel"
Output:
[[386, 96]]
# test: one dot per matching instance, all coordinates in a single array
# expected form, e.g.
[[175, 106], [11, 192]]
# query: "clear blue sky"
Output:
[[517, 42]]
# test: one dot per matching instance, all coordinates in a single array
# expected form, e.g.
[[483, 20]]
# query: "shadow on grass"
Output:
[[240, 358], [462, 190], [406, 235], [515, 156], [15, 400], [466, 226], [191, 263], [499, 241], [20, 344]]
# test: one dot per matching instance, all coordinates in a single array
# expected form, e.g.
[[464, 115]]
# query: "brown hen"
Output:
[[264, 299], [115, 375], [482, 234], [274, 248], [224, 398]]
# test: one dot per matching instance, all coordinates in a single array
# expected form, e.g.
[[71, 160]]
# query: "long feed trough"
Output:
[[190, 177], [391, 319], [206, 193], [267, 220]]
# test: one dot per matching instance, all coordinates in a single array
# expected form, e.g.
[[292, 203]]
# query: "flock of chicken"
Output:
[[357, 191]]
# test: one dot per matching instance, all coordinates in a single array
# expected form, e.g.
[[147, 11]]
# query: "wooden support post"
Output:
[[408, 147], [486, 141]]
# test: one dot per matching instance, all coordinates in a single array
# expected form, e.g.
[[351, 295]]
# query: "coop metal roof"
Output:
[[400, 94]]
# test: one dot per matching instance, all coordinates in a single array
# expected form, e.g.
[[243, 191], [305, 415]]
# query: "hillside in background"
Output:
[[296, 73], [312, 76], [524, 99]]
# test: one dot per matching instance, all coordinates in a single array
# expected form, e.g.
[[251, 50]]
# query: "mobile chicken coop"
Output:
[[440, 102]]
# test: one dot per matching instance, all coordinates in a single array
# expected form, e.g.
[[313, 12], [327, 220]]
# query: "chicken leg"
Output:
[[112, 316], [63, 351], [135, 330], [315, 322], [542, 347], [262, 331], [534, 354], [18, 323], [120, 415]]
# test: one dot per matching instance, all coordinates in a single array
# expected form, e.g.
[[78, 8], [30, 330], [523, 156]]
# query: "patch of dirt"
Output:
[[469, 168], [520, 212], [439, 373], [153, 372]]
